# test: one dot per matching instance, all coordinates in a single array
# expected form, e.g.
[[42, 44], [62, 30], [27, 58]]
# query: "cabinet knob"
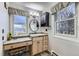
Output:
[[11, 46], [38, 42], [26, 43]]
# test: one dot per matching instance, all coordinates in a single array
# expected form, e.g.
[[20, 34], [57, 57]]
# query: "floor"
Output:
[[46, 54]]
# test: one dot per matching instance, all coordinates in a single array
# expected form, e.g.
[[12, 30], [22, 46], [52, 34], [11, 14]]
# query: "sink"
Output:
[[37, 34]]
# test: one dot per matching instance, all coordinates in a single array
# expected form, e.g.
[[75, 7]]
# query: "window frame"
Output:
[[75, 24], [11, 27]]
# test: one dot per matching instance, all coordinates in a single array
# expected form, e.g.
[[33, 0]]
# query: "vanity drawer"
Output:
[[16, 45]]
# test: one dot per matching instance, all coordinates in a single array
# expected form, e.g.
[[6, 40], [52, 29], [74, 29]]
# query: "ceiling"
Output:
[[40, 3], [37, 5]]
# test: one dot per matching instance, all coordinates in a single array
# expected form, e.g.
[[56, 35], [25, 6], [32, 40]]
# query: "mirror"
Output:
[[34, 25]]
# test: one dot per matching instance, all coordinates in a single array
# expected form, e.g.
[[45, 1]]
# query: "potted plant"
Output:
[[9, 36]]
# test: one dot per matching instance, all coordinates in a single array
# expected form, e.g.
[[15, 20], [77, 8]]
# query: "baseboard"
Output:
[[53, 53]]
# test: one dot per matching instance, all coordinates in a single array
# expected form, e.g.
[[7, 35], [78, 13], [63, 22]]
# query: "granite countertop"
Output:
[[18, 40]]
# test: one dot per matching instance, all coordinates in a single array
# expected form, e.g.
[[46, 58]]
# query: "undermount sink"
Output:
[[37, 34]]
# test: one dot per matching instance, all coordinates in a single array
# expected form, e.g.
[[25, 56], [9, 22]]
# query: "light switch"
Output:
[[2, 31]]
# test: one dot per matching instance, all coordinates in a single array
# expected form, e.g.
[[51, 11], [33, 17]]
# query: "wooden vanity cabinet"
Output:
[[17, 49], [40, 44], [16, 45], [37, 45]]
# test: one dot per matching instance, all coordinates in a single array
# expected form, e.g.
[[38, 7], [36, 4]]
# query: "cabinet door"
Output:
[[45, 43], [40, 45], [34, 46], [37, 45]]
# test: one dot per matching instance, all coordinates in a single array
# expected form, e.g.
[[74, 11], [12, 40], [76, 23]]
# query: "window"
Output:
[[19, 25], [65, 20]]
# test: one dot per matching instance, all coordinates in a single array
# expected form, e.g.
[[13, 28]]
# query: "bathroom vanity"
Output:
[[40, 43], [19, 46], [33, 45]]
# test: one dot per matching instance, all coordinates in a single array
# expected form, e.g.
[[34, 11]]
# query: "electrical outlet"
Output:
[[2, 37]]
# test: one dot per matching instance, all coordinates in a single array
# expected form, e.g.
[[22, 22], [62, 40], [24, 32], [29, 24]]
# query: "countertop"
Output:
[[24, 38], [17, 40], [35, 35]]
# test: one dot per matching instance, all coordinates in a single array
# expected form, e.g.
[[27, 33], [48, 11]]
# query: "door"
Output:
[[3, 25]]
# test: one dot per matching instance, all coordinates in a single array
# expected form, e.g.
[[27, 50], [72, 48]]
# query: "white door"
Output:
[[3, 25]]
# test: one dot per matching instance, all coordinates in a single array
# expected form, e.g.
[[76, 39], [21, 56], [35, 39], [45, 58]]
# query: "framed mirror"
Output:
[[34, 25]]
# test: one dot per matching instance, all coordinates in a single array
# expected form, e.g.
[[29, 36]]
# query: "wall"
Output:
[[34, 6], [28, 7], [3, 25], [64, 46]]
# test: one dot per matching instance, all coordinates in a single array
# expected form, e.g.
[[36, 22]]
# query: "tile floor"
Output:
[[46, 54]]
